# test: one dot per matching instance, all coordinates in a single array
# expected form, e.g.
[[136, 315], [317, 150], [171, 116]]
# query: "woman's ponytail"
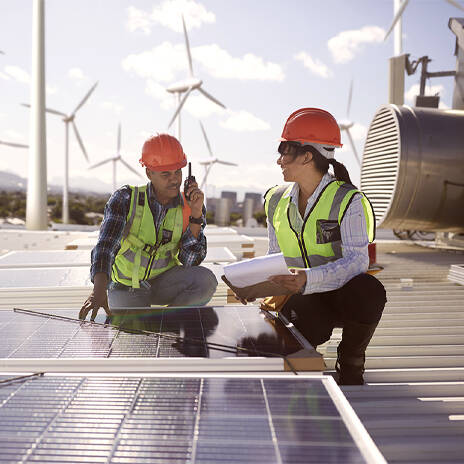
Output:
[[340, 171]]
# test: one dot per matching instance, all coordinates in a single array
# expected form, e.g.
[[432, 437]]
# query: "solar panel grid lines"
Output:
[[169, 420]]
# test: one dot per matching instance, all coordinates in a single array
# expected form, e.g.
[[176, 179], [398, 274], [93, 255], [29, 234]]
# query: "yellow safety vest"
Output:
[[317, 240], [146, 252]]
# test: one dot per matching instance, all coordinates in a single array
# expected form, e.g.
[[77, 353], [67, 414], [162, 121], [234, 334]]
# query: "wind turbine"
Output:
[[115, 159], [347, 125], [208, 164], [398, 8], [12, 144], [187, 86], [69, 119]]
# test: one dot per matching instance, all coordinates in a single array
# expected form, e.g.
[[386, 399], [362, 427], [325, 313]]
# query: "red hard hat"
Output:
[[312, 125], [163, 152]]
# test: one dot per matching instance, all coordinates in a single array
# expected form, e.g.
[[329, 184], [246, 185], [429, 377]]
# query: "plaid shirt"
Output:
[[192, 250], [353, 230]]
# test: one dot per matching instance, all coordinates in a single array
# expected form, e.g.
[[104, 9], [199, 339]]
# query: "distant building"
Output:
[[258, 200], [232, 197]]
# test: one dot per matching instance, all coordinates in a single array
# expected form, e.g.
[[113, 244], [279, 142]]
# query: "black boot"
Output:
[[351, 352]]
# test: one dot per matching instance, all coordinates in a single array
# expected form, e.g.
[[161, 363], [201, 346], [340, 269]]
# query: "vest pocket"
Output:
[[327, 231]]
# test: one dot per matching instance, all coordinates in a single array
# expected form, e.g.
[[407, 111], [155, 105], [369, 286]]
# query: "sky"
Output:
[[262, 59]]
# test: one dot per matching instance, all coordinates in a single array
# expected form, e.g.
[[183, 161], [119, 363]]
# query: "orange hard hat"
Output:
[[163, 152], [311, 125]]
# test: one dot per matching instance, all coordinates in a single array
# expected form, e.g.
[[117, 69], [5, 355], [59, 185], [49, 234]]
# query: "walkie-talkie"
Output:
[[190, 179]]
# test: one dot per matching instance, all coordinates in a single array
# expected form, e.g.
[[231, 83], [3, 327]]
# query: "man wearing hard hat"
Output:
[[323, 224], [151, 239]]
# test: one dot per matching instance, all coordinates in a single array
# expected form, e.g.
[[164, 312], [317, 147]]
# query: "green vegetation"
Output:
[[13, 204]]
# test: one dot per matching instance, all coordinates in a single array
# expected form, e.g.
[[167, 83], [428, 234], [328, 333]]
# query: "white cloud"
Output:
[[443, 106], [112, 106], [410, 95], [18, 74], [346, 44], [243, 121], [316, 66], [51, 90], [220, 63], [168, 14], [165, 62], [4, 76], [201, 107], [138, 19], [11, 134], [77, 74], [161, 64]]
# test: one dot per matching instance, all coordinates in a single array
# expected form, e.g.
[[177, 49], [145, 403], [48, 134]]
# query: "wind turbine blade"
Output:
[[189, 56], [353, 147], [181, 104], [404, 4], [207, 95], [107, 160], [128, 166], [227, 163], [48, 110], [456, 4], [85, 98], [350, 95], [12, 144], [119, 139], [206, 139], [78, 137]]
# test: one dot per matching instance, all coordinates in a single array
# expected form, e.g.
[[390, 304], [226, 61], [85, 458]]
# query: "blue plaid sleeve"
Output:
[[109, 240], [193, 250]]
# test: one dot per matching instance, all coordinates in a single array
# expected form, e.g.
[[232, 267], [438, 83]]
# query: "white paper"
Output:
[[256, 270]]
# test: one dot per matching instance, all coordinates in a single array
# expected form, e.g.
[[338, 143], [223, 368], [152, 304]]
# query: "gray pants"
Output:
[[180, 286]]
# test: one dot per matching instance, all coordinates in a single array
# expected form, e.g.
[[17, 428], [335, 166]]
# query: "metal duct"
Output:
[[413, 168]]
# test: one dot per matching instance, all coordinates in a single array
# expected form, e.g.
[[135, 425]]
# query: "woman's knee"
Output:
[[365, 299]]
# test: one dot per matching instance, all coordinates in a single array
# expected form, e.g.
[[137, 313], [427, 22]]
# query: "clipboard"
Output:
[[260, 290]]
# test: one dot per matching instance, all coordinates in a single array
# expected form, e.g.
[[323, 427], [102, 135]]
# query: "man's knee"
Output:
[[205, 280]]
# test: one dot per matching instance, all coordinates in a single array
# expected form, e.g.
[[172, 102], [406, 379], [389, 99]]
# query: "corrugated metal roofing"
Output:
[[413, 403]]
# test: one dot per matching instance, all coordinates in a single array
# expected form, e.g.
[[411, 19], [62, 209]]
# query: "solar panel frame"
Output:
[[154, 418]]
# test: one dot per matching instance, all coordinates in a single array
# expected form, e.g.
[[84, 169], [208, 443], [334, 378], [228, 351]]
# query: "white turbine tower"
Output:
[[186, 86], [69, 119], [115, 159], [208, 163], [347, 125], [12, 144], [398, 8], [36, 203]]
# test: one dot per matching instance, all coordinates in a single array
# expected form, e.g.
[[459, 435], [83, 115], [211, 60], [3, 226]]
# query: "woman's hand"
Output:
[[294, 283]]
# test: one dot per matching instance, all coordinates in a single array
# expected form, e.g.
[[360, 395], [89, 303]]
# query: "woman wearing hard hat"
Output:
[[322, 224], [151, 239]]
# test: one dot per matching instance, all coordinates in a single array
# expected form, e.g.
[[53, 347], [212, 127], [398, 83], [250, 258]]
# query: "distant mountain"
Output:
[[11, 182]]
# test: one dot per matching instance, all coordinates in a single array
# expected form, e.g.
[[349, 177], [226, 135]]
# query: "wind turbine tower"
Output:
[[115, 159], [186, 87], [36, 204], [69, 119]]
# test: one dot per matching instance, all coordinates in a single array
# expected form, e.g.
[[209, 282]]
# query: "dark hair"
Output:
[[322, 164]]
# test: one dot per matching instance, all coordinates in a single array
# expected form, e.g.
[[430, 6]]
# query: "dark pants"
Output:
[[361, 300]]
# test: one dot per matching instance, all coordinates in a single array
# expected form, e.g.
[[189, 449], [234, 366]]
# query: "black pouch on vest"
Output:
[[327, 231], [167, 236]]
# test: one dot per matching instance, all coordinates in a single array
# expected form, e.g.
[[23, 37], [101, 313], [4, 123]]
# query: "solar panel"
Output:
[[67, 258], [178, 419], [60, 276], [189, 332]]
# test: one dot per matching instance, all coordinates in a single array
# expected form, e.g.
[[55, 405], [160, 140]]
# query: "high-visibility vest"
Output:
[[145, 251], [317, 240]]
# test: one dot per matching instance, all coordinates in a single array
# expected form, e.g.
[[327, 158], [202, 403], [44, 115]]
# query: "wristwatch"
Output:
[[196, 220]]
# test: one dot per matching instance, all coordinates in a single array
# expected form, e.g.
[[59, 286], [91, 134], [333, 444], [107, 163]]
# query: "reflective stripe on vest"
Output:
[[316, 240], [146, 252]]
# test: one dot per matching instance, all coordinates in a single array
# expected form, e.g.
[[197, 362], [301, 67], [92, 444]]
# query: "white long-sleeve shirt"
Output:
[[355, 258]]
